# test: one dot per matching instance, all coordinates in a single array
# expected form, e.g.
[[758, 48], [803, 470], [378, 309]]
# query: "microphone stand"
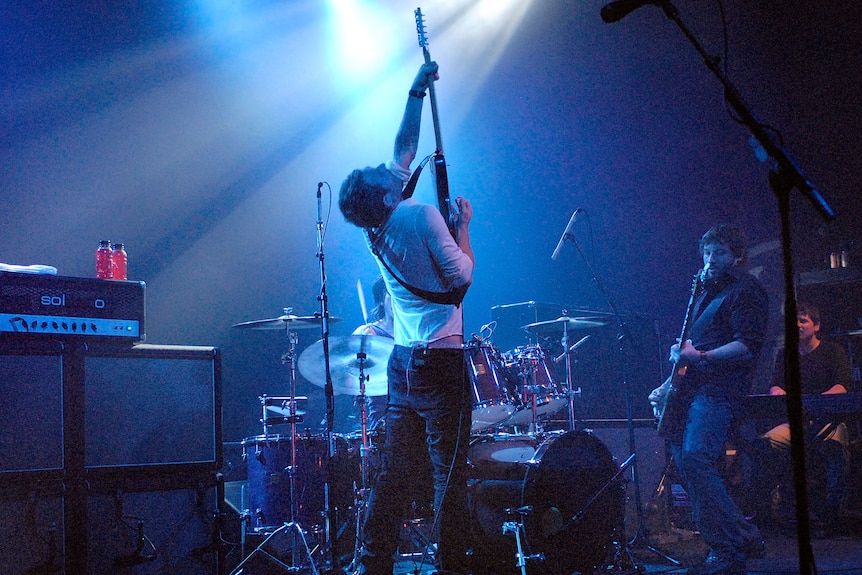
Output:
[[623, 335], [328, 389], [784, 176]]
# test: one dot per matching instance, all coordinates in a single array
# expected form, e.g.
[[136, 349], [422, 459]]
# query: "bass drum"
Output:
[[574, 512]]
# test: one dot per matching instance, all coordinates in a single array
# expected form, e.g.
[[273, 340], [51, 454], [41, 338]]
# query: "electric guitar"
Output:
[[674, 407], [442, 179]]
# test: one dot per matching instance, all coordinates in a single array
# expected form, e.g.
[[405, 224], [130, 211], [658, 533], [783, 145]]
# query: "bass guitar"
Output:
[[441, 177], [673, 408]]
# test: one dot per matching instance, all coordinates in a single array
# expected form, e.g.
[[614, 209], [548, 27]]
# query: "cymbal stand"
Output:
[[240, 568], [568, 352], [570, 392], [293, 418], [363, 417], [361, 494], [292, 526]]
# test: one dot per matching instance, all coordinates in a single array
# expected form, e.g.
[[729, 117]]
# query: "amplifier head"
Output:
[[59, 306]]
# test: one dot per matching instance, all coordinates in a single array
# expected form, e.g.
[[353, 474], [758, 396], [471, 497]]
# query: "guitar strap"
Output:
[[452, 297], [414, 178]]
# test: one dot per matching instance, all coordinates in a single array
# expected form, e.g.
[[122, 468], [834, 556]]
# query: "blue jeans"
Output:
[[428, 416], [698, 457]]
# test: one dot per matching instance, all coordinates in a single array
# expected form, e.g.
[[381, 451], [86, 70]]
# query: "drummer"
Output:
[[381, 326]]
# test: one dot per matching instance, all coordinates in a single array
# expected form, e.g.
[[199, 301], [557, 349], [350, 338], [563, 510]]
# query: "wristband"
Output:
[[702, 360], [417, 94]]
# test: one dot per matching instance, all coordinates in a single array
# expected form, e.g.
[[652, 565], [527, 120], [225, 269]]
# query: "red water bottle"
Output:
[[103, 260], [119, 262]]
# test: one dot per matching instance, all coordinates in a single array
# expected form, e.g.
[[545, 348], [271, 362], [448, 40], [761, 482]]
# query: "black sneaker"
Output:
[[716, 565], [754, 549]]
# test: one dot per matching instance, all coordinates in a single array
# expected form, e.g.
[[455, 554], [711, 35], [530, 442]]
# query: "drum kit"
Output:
[[562, 485], [309, 488]]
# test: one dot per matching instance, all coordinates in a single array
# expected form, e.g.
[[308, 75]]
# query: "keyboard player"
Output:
[[824, 369]]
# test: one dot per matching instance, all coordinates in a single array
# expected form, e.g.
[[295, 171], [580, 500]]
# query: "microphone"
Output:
[[566, 234], [619, 9]]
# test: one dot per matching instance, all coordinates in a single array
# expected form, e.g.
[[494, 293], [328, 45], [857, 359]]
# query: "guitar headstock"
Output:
[[420, 28]]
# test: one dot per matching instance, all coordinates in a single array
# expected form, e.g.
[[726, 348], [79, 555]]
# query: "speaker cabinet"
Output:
[[31, 412], [147, 528], [102, 447], [152, 406], [31, 529]]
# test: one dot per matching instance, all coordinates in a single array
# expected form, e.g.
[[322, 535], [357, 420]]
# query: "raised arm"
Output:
[[407, 138]]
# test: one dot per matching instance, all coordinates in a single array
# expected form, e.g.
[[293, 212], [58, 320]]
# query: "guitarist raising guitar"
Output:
[[426, 261], [699, 406]]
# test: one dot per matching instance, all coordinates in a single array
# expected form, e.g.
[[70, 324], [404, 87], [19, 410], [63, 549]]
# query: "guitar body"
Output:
[[674, 409]]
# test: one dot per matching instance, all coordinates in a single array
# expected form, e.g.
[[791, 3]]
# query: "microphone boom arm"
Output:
[[788, 169]]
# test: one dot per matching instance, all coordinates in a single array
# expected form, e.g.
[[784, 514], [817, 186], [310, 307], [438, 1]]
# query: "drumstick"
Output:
[[362, 300]]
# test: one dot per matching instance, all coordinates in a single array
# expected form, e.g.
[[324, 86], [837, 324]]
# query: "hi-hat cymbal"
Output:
[[287, 321], [344, 365], [564, 323]]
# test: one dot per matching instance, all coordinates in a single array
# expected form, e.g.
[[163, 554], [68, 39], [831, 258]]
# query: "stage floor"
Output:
[[833, 555]]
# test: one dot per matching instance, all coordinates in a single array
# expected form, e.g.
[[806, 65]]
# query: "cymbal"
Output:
[[344, 365], [563, 323], [287, 321]]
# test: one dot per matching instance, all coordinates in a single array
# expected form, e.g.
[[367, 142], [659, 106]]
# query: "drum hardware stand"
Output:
[[623, 560], [329, 392], [517, 527], [291, 526], [569, 376], [360, 499], [571, 393], [662, 491], [217, 543]]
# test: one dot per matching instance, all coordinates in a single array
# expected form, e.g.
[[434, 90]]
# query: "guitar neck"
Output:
[[432, 95]]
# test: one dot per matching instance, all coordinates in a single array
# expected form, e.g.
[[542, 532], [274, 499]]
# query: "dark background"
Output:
[[196, 133]]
